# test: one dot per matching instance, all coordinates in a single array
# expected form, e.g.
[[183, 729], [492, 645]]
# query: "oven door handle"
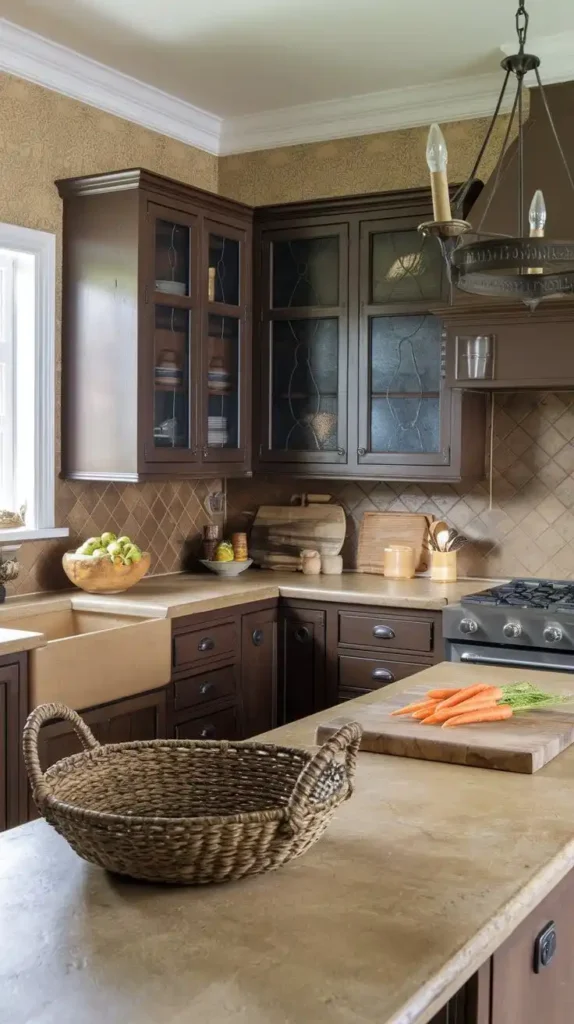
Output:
[[483, 659]]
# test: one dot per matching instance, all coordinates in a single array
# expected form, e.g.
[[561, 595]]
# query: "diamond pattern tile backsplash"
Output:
[[529, 531], [165, 519]]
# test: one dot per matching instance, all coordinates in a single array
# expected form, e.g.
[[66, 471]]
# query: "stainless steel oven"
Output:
[[511, 657]]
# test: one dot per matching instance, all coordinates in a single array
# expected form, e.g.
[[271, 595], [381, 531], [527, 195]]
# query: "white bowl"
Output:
[[228, 569]]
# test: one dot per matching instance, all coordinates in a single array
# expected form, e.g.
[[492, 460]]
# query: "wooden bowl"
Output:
[[100, 575]]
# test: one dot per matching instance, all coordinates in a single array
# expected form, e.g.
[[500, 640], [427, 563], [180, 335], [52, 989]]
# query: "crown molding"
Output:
[[56, 67], [410, 107]]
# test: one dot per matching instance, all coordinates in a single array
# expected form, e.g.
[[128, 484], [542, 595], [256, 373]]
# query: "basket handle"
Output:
[[36, 719], [347, 740]]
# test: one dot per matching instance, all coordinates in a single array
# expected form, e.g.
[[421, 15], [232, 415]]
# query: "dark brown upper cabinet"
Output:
[[156, 329], [351, 347]]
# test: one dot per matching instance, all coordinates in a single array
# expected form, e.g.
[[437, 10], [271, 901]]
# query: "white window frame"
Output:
[[41, 366]]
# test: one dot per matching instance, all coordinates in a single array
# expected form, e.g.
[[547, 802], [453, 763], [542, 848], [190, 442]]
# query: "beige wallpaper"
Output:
[[44, 136]]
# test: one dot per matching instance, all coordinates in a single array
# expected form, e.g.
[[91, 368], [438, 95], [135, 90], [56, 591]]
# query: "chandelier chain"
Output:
[[522, 19]]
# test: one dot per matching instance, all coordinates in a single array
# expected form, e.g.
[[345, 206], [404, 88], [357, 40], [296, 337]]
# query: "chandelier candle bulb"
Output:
[[437, 157], [537, 221]]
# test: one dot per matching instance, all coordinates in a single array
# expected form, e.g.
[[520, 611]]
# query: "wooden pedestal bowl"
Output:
[[100, 575]]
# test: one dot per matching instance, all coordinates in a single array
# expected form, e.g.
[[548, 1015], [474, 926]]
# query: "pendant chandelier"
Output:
[[528, 267]]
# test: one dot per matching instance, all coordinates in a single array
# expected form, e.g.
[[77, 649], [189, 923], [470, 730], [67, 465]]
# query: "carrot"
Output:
[[493, 714], [442, 694], [470, 691], [417, 706], [443, 715], [424, 712]]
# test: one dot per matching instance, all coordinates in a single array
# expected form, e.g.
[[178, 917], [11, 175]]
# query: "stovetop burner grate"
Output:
[[527, 594]]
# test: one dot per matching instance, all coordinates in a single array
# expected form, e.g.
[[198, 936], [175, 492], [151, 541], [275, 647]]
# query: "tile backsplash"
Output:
[[529, 531], [165, 519]]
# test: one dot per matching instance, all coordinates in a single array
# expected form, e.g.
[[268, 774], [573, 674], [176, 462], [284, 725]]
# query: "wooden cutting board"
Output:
[[379, 529], [287, 529], [521, 744]]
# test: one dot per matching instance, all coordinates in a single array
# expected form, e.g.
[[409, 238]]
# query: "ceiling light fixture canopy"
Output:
[[528, 267]]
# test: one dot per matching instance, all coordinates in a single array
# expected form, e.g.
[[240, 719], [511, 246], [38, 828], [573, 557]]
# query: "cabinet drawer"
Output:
[[221, 725], [385, 631], [204, 643], [372, 673], [207, 686]]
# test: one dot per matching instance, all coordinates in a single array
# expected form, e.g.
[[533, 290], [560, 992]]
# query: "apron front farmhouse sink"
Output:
[[90, 658]]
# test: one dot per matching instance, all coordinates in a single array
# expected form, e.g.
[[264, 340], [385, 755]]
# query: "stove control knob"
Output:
[[552, 634], [468, 626], [512, 630]]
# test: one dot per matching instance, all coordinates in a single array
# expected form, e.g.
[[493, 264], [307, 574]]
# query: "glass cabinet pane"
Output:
[[306, 272], [304, 399], [223, 271], [172, 257], [405, 267], [405, 360], [223, 383], [172, 337]]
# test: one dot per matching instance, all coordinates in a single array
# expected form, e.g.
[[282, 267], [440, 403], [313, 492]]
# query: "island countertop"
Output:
[[419, 879]]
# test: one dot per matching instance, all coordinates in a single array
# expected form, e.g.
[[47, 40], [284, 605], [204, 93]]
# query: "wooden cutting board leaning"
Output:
[[379, 529], [523, 743]]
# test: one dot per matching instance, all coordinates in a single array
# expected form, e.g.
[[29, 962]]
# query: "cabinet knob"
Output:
[[257, 637], [341, 451], [382, 675], [204, 452], [205, 688], [361, 452], [302, 635], [207, 731], [383, 632], [207, 644]]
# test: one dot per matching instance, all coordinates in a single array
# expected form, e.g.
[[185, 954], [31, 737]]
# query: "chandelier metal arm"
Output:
[[460, 196], [553, 127], [520, 156], [500, 161]]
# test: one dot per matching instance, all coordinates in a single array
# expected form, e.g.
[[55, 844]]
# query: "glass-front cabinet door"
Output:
[[226, 390], [304, 344], [173, 363], [403, 407]]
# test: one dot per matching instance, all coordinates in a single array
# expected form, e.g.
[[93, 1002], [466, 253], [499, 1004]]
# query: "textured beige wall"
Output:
[[370, 163], [44, 136]]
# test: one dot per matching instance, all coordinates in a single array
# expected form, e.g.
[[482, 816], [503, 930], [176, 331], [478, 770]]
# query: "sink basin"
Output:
[[92, 658]]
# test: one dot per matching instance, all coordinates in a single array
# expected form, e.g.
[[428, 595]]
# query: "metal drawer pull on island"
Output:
[[383, 675], [207, 644], [383, 633]]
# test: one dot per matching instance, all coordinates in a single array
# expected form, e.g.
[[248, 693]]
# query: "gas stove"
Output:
[[524, 622]]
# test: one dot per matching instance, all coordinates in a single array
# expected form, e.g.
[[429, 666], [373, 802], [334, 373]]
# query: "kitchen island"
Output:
[[426, 873]]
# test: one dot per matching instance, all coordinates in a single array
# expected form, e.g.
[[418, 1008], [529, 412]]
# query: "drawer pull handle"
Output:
[[382, 674], [302, 635], [205, 688], [257, 637], [207, 731], [383, 633], [207, 644]]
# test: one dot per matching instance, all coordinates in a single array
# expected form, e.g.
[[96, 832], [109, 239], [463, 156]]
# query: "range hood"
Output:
[[494, 343]]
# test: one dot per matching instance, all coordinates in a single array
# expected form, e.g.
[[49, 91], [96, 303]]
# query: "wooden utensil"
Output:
[[523, 743], [380, 529]]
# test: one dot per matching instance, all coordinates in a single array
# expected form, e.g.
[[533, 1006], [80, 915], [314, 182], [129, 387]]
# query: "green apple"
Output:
[[99, 553], [124, 541], [114, 549], [133, 553], [89, 546], [107, 539]]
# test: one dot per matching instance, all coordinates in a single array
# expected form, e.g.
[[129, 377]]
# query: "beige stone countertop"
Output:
[[419, 878], [182, 594], [16, 641]]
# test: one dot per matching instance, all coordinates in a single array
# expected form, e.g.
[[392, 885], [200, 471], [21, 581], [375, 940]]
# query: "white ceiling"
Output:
[[241, 58]]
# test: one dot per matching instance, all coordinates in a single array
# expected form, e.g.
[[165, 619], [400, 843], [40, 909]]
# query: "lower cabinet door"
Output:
[[259, 671], [219, 725], [302, 658]]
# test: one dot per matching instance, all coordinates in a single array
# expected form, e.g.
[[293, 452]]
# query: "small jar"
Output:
[[331, 565], [310, 562], [399, 562], [443, 566], [239, 542]]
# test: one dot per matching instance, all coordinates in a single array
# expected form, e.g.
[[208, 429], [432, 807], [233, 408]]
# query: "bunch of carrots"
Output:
[[465, 706]]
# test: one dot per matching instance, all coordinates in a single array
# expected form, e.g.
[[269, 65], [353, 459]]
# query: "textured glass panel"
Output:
[[223, 270], [405, 267], [172, 247], [305, 355], [171, 377], [306, 272], [223, 382], [405, 353], [405, 424]]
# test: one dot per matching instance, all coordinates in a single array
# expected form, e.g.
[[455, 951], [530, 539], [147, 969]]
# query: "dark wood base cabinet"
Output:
[[13, 711]]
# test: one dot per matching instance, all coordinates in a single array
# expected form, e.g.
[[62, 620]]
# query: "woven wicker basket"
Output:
[[189, 811]]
